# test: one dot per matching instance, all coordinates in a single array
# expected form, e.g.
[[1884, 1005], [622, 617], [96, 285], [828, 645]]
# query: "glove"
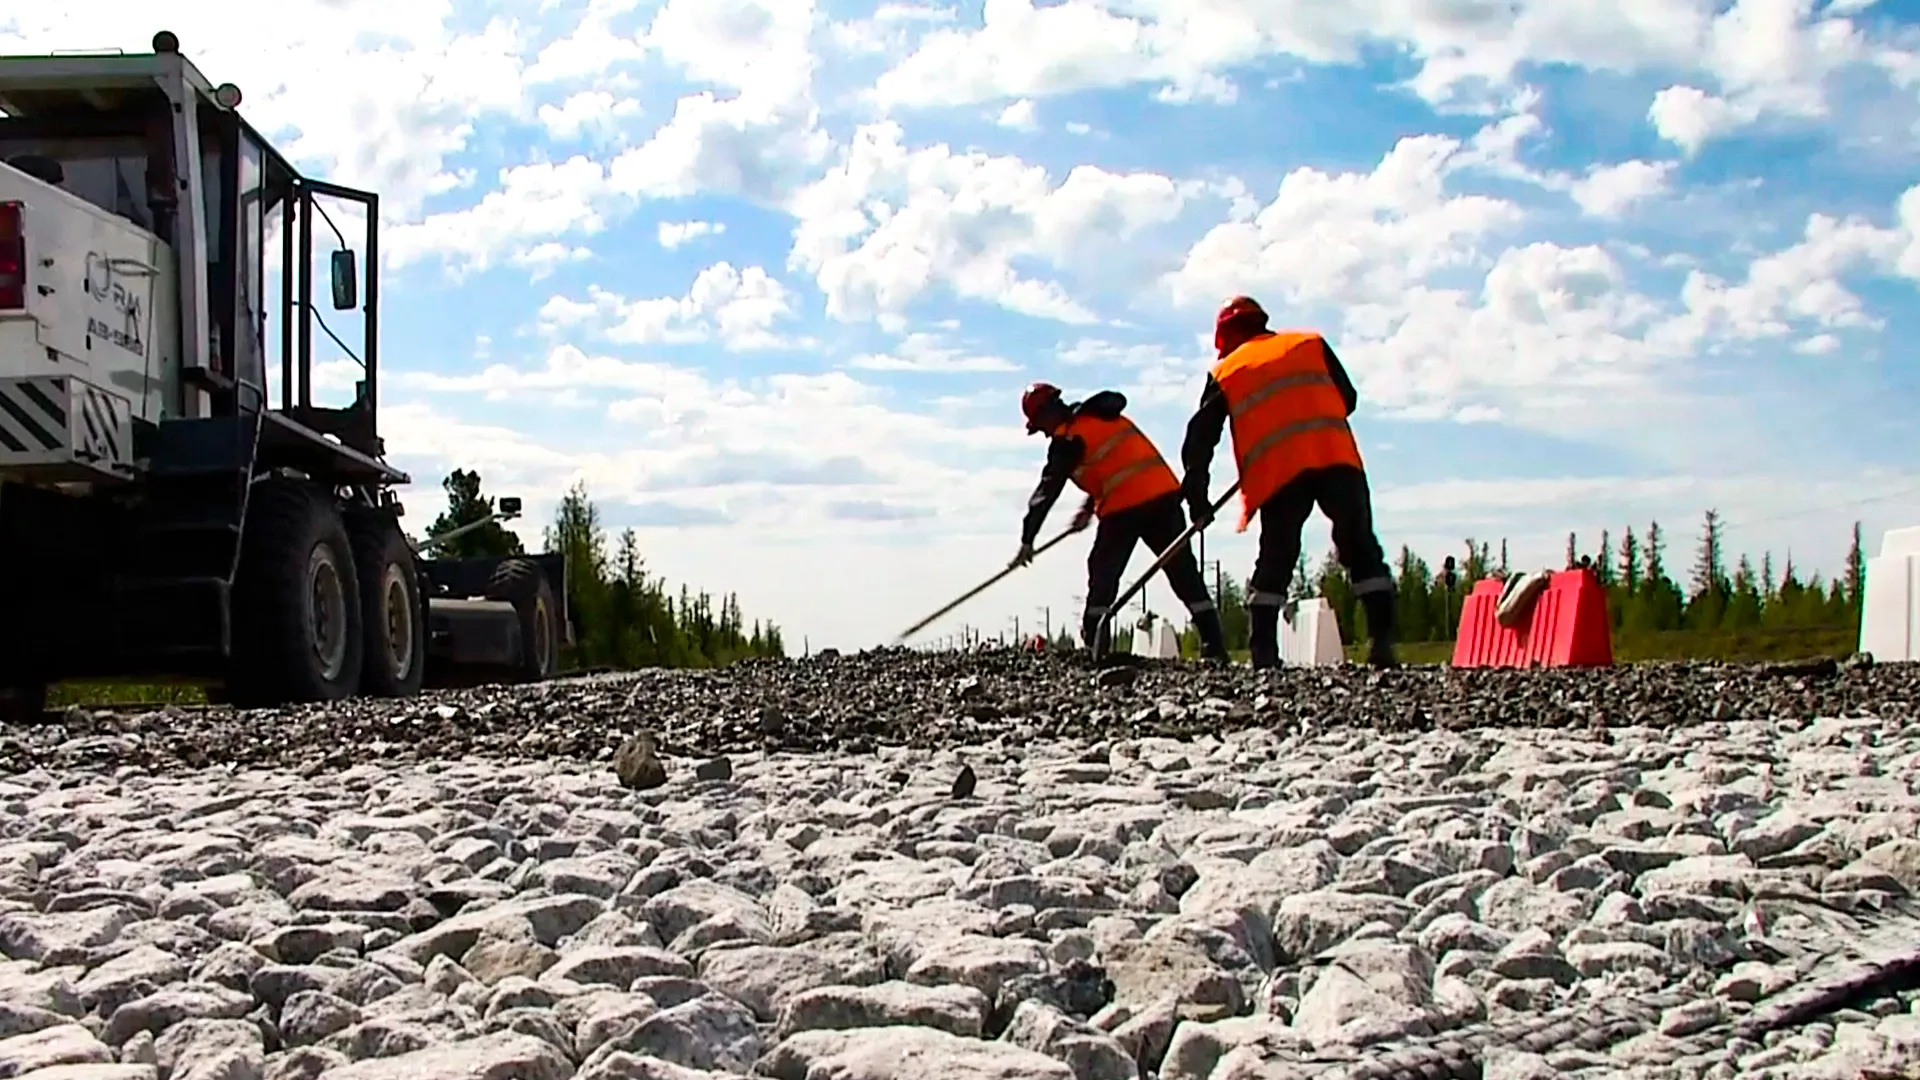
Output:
[[1082, 519], [1022, 557], [1199, 508]]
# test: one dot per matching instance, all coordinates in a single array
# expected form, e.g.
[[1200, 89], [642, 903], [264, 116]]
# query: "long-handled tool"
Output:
[[1100, 632], [978, 589]]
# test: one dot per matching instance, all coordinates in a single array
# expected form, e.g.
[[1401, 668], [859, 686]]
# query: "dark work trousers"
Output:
[[1159, 523], [1342, 494]]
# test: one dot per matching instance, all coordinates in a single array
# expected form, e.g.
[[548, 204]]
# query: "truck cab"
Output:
[[120, 171], [173, 501]]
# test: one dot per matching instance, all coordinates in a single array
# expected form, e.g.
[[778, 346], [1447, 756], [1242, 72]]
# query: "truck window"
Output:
[[109, 172]]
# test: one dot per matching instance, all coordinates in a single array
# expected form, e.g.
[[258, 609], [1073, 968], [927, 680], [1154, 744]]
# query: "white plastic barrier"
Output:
[[1162, 644], [1890, 610], [1169, 643], [1142, 642], [1310, 636]]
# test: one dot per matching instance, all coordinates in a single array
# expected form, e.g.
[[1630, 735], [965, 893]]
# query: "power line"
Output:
[[1897, 493]]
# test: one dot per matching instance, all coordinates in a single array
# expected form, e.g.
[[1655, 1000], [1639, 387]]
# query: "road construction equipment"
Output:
[[160, 516], [978, 589], [1103, 631]]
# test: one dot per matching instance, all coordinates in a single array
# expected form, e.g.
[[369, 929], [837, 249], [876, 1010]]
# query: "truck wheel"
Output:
[[297, 629], [519, 582], [396, 637]]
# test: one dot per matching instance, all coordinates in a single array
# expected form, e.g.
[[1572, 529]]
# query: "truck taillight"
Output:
[[13, 258]]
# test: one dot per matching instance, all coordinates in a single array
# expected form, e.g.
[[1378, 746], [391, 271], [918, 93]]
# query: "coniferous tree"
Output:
[[465, 506], [626, 618], [1709, 588], [1630, 562], [1856, 575]]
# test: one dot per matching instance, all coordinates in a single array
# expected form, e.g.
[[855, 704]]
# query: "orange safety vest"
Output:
[[1121, 468], [1286, 412]]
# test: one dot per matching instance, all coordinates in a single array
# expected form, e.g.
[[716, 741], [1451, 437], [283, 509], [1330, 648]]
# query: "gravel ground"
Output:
[[1010, 868]]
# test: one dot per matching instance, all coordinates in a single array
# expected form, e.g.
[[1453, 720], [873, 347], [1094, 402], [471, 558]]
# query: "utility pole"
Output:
[[1046, 615]]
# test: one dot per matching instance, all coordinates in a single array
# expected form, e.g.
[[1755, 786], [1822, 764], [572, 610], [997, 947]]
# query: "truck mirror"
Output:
[[509, 506], [346, 281]]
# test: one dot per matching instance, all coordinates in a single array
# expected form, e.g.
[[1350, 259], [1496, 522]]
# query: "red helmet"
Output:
[[1241, 311], [1039, 398]]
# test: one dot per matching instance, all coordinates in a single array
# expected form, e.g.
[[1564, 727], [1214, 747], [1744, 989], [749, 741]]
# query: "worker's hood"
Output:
[[1105, 405]]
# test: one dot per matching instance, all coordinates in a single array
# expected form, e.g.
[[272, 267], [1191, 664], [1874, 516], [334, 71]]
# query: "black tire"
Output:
[[295, 543], [519, 582], [390, 608]]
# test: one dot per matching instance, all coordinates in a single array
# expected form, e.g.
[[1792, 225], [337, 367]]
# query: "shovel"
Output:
[[1172, 552], [977, 590]]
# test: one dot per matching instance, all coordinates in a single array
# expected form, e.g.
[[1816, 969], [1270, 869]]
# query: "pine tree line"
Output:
[[1643, 597], [623, 616]]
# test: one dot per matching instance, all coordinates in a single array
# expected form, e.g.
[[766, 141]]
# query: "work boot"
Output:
[[1104, 646], [1213, 637], [1263, 637], [1382, 616]]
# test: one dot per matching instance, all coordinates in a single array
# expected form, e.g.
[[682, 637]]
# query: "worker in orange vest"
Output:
[[1133, 492], [1288, 399]]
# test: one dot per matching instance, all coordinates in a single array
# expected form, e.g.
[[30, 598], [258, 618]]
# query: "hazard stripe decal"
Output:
[[24, 426]]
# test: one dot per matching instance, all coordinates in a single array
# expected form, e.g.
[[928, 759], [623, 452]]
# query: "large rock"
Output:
[[764, 977], [893, 1053], [67, 1044], [984, 963], [501, 1056], [1092, 1054], [957, 1010]]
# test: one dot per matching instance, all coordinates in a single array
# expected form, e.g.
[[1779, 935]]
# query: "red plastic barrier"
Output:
[[1568, 627]]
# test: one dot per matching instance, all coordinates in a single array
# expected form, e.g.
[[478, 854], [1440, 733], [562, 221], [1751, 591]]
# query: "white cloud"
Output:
[[380, 96], [889, 31], [673, 234], [1548, 328], [760, 48], [747, 146], [1148, 374], [693, 434], [1348, 238], [928, 354], [1608, 190], [589, 112], [1689, 117], [739, 308], [1771, 55], [544, 258], [1802, 283], [887, 224], [1019, 116], [1205, 88], [533, 203]]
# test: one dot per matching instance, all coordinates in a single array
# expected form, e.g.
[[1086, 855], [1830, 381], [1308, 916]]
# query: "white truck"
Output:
[[161, 515]]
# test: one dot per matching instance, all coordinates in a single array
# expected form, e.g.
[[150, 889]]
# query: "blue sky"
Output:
[[769, 276]]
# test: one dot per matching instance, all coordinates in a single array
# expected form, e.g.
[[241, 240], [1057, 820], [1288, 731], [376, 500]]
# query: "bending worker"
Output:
[[1288, 400], [1133, 492]]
